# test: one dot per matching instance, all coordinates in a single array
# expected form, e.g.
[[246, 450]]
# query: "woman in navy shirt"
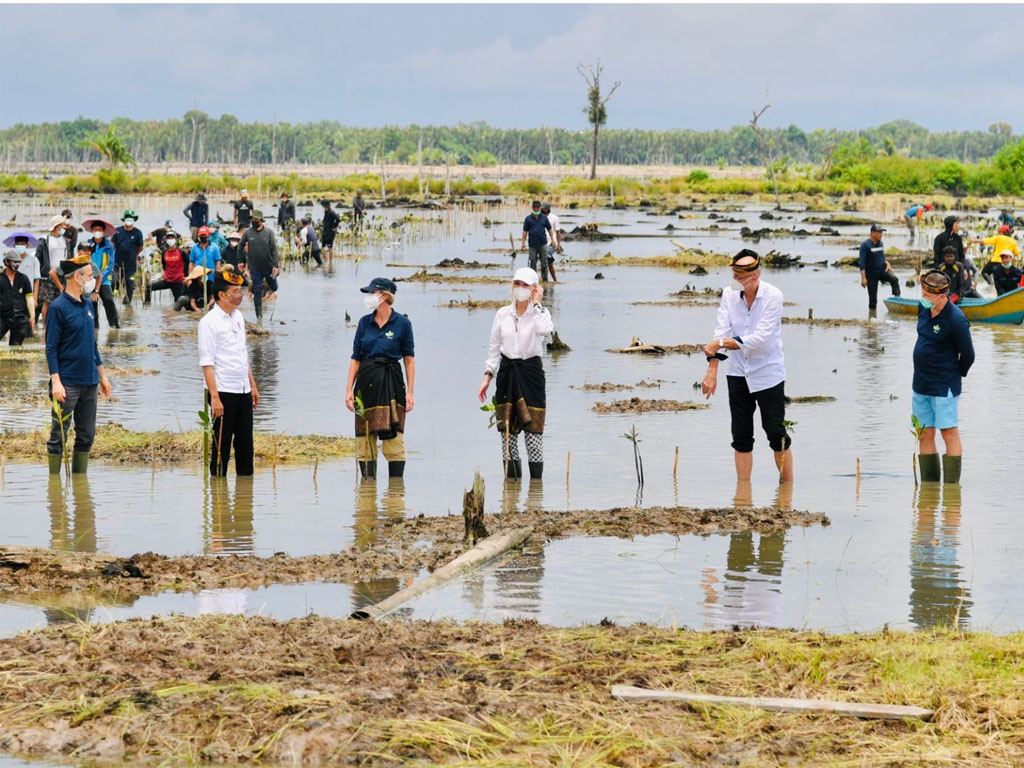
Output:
[[383, 338]]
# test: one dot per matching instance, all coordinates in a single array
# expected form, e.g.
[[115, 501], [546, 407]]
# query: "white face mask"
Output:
[[736, 285], [521, 293], [372, 301], [97, 235], [89, 285], [129, 223], [171, 243], [21, 248]]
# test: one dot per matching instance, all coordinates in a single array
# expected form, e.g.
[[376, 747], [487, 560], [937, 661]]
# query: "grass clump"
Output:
[[116, 444], [517, 694]]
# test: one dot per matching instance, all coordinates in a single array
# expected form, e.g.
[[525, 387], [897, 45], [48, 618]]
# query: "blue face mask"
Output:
[[927, 304]]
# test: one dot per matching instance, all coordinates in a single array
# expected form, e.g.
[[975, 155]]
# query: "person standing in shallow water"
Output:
[[874, 268], [536, 228], [749, 325], [513, 359], [383, 338], [73, 358], [230, 385], [943, 355]]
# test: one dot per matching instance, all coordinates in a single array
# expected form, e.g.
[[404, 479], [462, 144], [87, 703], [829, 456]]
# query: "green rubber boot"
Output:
[[930, 472], [79, 462], [55, 460], [951, 466]]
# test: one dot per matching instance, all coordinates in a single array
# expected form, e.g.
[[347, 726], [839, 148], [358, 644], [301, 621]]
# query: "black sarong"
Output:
[[520, 392], [380, 386]]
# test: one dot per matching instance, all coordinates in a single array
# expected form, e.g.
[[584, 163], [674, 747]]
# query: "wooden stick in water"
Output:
[[568, 464], [675, 465]]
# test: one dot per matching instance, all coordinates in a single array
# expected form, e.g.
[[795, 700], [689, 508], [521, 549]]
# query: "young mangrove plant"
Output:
[[360, 409], [63, 418], [492, 409], [206, 427], [788, 426], [916, 429], [638, 462]]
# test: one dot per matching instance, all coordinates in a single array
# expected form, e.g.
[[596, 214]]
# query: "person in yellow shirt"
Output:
[[1001, 242]]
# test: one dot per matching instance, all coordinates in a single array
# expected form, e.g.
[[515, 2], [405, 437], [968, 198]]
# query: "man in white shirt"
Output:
[[749, 325], [554, 238], [231, 389]]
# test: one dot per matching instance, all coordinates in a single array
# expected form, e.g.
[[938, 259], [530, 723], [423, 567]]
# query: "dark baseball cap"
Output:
[[877, 228], [380, 284]]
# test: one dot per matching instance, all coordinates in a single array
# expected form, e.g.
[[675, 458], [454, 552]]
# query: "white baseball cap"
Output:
[[526, 275]]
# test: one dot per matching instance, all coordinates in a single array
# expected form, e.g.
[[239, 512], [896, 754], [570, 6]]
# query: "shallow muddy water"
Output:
[[888, 557]]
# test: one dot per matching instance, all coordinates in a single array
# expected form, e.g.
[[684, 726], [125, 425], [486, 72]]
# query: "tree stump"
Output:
[[473, 512]]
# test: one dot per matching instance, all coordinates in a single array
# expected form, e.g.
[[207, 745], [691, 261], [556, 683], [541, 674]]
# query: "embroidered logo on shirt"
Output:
[[389, 334], [935, 328]]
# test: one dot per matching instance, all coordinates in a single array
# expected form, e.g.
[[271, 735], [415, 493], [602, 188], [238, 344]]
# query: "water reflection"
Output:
[[263, 356], [72, 514], [938, 595], [230, 517], [369, 515]]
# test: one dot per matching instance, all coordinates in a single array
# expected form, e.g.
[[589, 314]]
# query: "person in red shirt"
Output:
[[173, 261]]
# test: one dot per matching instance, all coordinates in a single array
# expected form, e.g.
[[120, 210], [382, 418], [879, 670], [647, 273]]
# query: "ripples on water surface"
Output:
[[890, 556]]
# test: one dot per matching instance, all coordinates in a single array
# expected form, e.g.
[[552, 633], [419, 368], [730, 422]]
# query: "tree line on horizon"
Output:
[[197, 139]]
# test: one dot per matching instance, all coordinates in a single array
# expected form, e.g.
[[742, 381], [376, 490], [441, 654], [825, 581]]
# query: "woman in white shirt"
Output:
[[749, 326], [513, 359]]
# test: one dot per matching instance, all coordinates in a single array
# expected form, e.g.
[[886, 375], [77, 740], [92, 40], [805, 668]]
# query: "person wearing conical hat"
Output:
[[74, 362], [197, 290]]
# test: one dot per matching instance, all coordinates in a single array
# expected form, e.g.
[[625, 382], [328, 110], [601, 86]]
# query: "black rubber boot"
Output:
[[396, 468], [951, 466], [930, 472], [55, 460], [368, 468], [536, 470], [79, 462], [515, 469]]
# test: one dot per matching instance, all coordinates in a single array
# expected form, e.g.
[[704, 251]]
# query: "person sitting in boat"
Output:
[[955, 272], [1006, 277]]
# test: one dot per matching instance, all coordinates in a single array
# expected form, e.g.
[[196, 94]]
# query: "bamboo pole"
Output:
[[808, 706], [483, 552], [675, 465]]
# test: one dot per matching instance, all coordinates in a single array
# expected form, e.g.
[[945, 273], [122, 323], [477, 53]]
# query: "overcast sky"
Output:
[[681, 66]]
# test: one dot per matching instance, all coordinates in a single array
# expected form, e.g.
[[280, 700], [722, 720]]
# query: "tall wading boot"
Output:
[[515, 468], [368, 468], [536, 470], [396, 468], [951, 466], [79, 462], [930, 472], [55, 460]]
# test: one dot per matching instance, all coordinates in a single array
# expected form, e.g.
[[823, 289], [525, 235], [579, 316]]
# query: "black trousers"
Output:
[[886, 277], [17, 325], [106, 294], [124, 274], [176, 289], [771, 401], [234, 426]]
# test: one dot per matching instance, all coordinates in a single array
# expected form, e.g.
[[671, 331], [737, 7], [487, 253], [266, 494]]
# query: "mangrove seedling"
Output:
[[492, 409], [206, 427], [63, 418], [360, 409], [916, 429], [638, 461]]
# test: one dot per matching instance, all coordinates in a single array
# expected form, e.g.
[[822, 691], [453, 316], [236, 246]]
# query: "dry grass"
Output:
[[318, 691], [640, 405], [114, 443]]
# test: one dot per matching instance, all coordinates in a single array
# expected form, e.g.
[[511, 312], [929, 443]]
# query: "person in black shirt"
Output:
[[954, 272], [950, 236], [196, 291], [14, 288], [1005, 276], [330, 228], [198, 214], [243, 212], [358, 210], [536, 227], [127, 242], [285, 214]]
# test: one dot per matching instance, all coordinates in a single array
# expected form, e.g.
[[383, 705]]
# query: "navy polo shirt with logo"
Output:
[[944, 351], [536, 228], [71, 347], [393, 341]]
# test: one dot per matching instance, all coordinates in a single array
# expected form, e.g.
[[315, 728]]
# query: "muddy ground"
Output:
[[404, 549], [640, 405], [608, 386], [315, 691]]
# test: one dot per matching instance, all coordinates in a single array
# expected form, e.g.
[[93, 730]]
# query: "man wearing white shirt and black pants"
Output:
[[749, 325], [229, 383]]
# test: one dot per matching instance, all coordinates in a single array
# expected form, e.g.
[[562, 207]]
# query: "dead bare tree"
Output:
[[595, 110], [766, 153]]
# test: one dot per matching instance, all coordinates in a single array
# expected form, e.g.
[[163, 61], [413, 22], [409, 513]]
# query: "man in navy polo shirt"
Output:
[[874, 268], [943, 355], [76, 369], [536, 228], [198, 214], [127, 242]]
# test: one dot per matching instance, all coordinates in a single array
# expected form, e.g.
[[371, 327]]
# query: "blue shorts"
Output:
[[938, 412]]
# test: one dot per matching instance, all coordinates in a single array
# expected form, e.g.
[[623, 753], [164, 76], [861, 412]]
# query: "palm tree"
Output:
[[109, 146]]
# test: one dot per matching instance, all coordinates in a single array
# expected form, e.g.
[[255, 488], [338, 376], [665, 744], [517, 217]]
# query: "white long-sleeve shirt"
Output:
[[759, 333], [518, 338], [222, 345]]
